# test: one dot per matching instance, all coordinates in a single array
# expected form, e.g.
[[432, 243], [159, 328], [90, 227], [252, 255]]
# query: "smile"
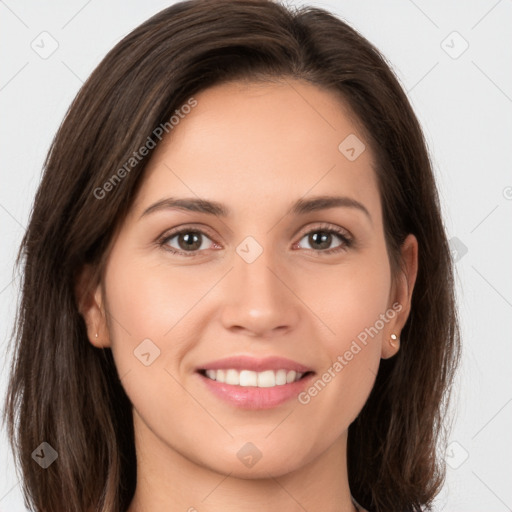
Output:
[[246, 378]]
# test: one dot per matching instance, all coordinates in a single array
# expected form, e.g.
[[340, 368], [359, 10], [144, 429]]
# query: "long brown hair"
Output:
[[67, 393]]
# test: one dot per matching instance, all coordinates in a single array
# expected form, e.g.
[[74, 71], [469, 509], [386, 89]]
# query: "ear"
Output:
[[401, 296], [90, 305]]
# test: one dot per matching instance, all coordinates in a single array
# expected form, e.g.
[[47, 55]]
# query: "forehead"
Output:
[[256, 145]]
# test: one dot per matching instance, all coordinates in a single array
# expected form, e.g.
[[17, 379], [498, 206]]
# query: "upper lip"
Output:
[[255, 364]]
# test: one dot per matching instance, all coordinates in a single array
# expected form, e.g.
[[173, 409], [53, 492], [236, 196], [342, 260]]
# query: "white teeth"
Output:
[[281, 377], [232, 377], [290, 376], [248, 378], [266, 379]]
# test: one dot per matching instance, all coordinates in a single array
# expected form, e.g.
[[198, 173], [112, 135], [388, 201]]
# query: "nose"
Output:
[[259, 300]]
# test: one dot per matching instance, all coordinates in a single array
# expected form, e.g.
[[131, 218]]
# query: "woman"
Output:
[[237, 288]]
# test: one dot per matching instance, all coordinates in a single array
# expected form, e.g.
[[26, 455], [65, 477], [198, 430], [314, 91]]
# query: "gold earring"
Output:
[[394, 341]]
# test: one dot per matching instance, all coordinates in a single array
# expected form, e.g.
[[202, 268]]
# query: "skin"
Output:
[[256, 148]]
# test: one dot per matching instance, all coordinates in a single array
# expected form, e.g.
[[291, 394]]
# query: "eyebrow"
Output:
[[300, 207]]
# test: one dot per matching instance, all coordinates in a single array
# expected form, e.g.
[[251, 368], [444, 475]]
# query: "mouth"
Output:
[[249, 382], [250, 378], [255, 390]]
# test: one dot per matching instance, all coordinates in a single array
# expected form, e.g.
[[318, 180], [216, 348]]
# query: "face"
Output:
[[276, 274]]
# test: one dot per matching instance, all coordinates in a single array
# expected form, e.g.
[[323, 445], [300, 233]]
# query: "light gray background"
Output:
[[464, 102]]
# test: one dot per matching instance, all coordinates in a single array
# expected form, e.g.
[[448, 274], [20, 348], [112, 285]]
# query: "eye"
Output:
[[189, 241], [321, 239]]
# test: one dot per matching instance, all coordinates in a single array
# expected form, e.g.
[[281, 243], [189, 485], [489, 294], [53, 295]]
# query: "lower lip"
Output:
[[252, 397]]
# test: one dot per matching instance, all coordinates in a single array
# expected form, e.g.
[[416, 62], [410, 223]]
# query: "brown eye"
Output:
[[322, 239], [186, 241]]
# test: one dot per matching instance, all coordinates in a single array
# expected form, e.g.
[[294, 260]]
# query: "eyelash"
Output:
[[347, 241]]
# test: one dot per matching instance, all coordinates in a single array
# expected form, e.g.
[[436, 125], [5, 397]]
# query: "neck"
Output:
[[169, 480]]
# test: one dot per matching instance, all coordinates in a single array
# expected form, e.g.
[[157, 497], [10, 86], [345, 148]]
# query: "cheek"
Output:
[[351, 300], [142, 309], [150, 301], [147, 308], [351, 303]]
